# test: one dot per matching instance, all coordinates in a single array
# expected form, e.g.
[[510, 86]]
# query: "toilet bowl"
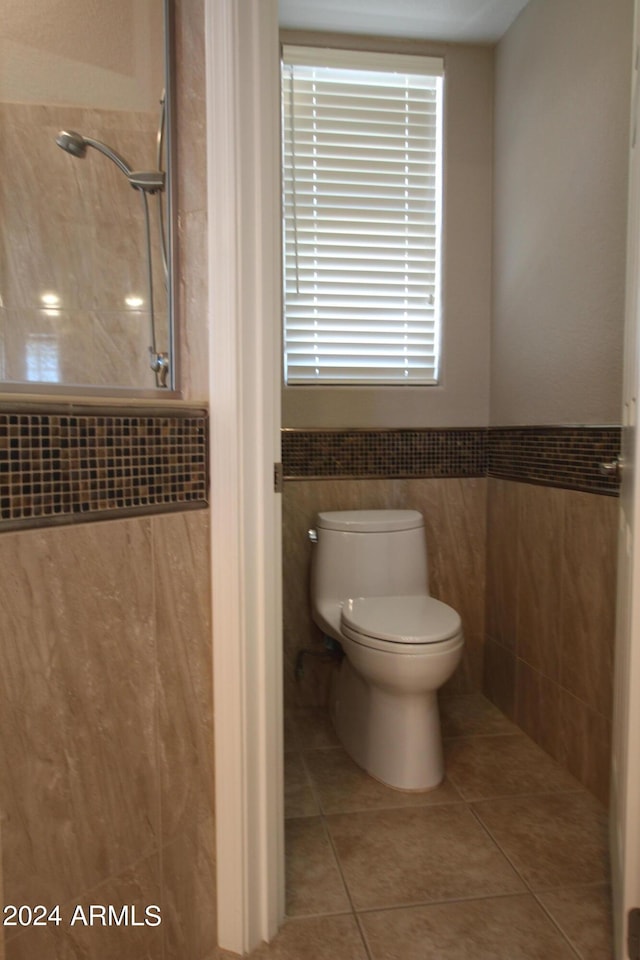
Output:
[[369, 590]]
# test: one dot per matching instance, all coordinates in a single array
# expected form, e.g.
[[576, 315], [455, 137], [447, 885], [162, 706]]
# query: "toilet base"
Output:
[[394, 737]]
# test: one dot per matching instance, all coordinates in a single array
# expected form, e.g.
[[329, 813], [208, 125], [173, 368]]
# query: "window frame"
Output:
[[390, 63]]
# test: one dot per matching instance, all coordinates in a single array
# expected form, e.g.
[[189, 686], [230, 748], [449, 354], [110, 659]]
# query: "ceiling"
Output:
[[462, 21]]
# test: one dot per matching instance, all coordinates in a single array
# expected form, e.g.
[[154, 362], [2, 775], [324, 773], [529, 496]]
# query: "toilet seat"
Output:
[[400, 622]]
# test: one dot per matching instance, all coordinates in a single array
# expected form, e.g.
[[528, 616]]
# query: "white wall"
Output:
[[462, 398], [561, 143]]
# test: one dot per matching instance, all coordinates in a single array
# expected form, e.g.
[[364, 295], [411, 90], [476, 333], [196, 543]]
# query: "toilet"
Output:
[[370, 592]]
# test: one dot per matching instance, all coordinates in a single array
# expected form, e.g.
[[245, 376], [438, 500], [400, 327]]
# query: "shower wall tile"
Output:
[[106, 758], [48, 345], [192, 199], [193, 306], [191, 106], [185, 681], [137, 887], [130, 330], [75, 228], [455, 524], [106, 728], [554, 672], [78, 787], [189, 882]]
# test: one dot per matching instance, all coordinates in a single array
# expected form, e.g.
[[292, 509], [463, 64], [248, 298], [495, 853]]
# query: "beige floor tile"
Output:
[[342, 786], [326, 938], [469, 714], [482, 767], [584, 916], [418, 854], [313, 728], [501, 928], [554, 840], [291, 742], [299, 800], [313, 882]]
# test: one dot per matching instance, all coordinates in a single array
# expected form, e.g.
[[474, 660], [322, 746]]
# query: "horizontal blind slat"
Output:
[[361, 211]]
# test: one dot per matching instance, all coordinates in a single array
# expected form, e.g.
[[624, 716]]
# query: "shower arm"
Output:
[[149, 181]]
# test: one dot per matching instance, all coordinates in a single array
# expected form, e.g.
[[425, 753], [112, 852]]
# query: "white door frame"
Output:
[[625, 753], [243, 181]]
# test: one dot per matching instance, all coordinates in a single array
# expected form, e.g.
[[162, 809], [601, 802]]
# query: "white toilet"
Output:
[[370, 592]]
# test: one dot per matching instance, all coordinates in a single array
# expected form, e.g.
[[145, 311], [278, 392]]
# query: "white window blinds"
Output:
[[362, 149]]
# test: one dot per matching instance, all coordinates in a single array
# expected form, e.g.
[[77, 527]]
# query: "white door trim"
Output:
[[243, 180], [625, 755]]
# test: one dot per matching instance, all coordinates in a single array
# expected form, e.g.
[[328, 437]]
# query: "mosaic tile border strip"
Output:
[[567, 457], [383, 453], [70, 466]]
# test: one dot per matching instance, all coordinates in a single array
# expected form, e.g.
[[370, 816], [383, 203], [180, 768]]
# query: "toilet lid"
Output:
[[369, 521], [413, 619]]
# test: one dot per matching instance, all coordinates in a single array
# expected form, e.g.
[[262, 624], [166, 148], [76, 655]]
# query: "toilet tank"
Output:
[[368, 553]]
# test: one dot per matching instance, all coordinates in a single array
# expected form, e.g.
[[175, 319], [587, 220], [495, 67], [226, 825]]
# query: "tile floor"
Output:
[[507, 860]]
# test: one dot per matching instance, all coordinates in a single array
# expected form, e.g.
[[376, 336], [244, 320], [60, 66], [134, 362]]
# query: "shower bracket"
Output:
[[159, 363], [150, 181]]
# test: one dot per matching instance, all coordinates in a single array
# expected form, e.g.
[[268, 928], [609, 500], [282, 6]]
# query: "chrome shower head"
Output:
[[75, 144], [72, 143]]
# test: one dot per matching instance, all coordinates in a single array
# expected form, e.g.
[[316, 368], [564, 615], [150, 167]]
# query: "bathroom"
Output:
[[522, 539], [68, 765]]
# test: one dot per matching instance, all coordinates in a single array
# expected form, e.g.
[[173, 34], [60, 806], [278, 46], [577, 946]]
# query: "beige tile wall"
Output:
[[550, 620], [76, 228], [454, 511], [193, 360], [106, 766], [106, 751]]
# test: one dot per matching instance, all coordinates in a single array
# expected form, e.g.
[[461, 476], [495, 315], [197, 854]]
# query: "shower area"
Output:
[[84, 287]]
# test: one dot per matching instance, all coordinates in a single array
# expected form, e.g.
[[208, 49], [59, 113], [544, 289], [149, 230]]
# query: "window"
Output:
[[362, 183]]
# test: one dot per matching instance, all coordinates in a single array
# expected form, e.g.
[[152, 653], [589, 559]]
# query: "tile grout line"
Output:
[[359, 914], [346, 887], [527, 885], [327, 831], [557, 925]]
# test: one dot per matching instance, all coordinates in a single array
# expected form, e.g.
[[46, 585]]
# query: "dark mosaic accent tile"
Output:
[[384, 453], [58, 467], [567, 457]]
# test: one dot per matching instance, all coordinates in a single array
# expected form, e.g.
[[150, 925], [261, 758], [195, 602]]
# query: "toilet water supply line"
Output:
[[332, 653]]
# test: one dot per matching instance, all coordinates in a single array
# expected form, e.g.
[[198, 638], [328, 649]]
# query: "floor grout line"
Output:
[[359, 913], [323, 817], [557, 926]]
